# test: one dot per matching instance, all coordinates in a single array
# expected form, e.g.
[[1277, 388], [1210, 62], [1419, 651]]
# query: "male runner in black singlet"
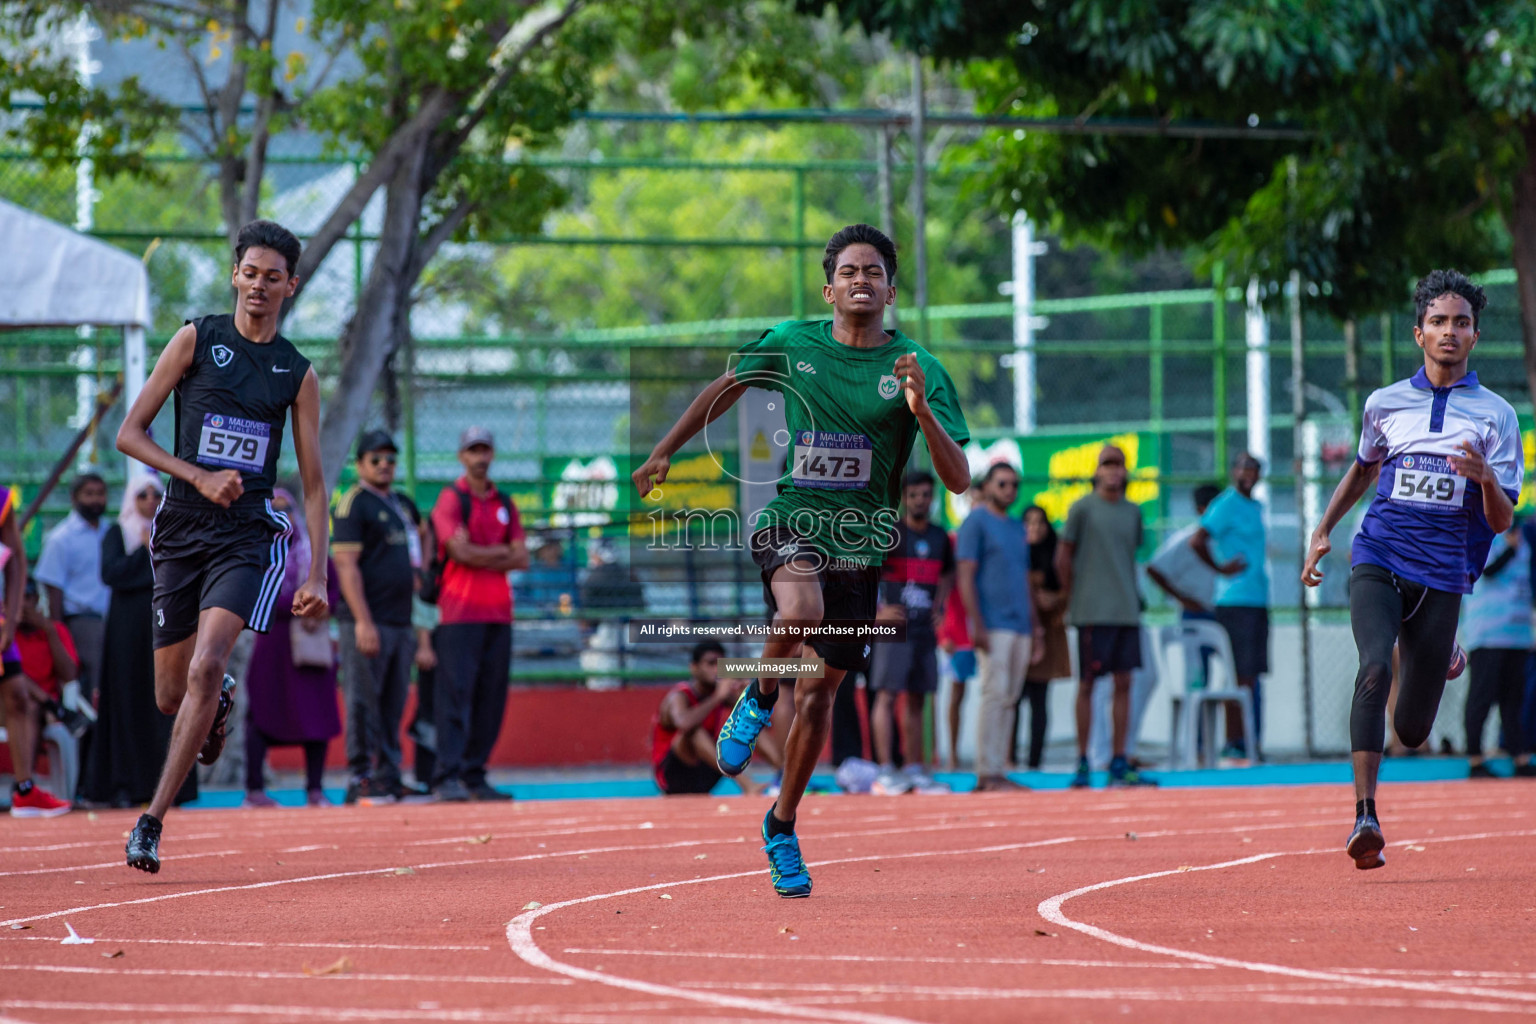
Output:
[[217, 546]]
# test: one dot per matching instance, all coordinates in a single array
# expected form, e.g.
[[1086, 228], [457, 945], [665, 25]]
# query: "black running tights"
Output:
[[1385, 609], [1498, 675]]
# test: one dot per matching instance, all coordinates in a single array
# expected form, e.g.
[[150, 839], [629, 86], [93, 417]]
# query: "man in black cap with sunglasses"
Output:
[[376, 545]]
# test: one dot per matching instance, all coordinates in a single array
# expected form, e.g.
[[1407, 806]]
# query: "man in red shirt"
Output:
[[685, 727], [480, 539], [47, 660]]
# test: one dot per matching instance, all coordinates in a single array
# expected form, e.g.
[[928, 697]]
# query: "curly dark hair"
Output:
[[266, 234], [1439, 283], [855, 234]]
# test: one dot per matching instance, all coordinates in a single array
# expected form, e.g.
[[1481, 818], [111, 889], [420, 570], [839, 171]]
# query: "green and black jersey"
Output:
[[850, 432]]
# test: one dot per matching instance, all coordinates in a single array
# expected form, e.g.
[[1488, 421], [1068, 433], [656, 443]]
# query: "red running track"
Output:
[[1169, 906]]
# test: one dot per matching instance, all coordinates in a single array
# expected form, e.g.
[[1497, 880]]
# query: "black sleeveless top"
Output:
[[231, 405]]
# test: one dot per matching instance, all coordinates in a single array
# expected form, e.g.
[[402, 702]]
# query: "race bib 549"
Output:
[[1427, 480]]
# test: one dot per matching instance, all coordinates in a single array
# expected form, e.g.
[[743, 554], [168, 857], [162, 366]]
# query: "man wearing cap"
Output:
[[376, 545], [480, 540]]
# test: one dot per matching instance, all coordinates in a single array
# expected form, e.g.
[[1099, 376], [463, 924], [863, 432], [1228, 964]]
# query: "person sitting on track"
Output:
[[218, 547], [1446, 456], [687, 726], [856, 397]]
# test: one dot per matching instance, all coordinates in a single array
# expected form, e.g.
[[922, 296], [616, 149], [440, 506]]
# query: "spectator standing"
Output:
[[1231, 539], [69, 569], [960, 656], [132, 735], [685, 727], [1496, 632], [1096, 560], [292, 680], [1187, 579], [1051, 610], [918, 575], [482, 541], [376, 544], [992, 561]]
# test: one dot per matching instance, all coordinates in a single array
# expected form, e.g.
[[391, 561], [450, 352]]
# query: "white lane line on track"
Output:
[[520, 938], [850, 958], [212, 972], [98, 842], [1050, 910], [263, 945], [113, 864], [268, 1012]]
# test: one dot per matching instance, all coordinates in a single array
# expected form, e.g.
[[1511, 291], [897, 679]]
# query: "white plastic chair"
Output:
[[1178, 652]]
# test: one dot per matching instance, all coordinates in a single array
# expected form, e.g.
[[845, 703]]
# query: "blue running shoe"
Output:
[[785, 865], [738, 736]]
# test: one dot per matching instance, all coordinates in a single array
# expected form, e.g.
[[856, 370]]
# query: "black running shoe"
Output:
[[213, 746], [488, 793], [1366, 842], [144, 844], [1481, 771]]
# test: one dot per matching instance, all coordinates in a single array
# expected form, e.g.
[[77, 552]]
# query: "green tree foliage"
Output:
[[1420, 118]]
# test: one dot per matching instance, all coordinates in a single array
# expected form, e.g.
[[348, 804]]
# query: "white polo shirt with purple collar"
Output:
[[1427, 524]]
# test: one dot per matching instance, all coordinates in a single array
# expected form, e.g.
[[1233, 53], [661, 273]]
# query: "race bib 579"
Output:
[[233, 442]]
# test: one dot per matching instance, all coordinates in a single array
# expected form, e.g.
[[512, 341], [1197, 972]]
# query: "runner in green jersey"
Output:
[[856, 396]]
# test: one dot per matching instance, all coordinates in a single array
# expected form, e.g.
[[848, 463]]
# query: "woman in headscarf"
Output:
[[131, 735], [1056, 662], [291, 681]]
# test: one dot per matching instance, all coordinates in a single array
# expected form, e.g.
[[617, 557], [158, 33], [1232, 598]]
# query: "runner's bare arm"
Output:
[[718, 396], [133, 439], [1358, 479], [948, 460], [310, 599]]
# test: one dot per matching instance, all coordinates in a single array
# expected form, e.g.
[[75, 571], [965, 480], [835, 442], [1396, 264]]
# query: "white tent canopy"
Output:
[[60, 278]]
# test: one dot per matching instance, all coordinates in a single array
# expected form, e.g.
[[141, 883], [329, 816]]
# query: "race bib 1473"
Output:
[[831, 460], [233, 442], [1427, 480]]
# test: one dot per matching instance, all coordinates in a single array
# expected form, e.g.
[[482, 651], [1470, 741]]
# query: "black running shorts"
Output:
[[848, 595], [1102, 650], [210, 557]]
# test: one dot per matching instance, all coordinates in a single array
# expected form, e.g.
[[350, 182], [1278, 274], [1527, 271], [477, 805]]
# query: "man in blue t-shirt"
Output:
[[1231, 540], [992, 561]]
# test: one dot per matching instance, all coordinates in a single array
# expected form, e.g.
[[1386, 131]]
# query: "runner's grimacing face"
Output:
[[261, 282], [476, 460], [859, 285], [1447, 335]]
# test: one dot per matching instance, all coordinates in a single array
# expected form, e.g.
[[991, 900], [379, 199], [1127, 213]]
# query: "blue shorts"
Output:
[[963, 665]]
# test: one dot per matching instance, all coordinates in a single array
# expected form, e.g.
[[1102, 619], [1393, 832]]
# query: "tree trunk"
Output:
[[1522, 230], [378, 323]]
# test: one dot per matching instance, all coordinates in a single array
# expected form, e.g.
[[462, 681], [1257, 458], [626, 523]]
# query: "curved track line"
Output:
[[520, 938], [1050, 909]]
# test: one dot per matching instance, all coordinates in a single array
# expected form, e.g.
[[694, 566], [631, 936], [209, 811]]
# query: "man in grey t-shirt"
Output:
[[1096, 560]]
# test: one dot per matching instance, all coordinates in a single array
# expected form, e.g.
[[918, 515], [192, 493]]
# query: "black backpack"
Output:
[[430, 576]]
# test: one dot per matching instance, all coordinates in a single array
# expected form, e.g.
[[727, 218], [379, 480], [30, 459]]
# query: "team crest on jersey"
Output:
[[222, 354], [216, 422], [889, 385], [1407, 461]]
